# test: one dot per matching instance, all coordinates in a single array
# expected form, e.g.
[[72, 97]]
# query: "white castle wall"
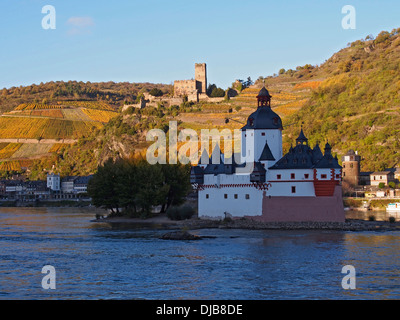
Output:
[[216, 204], [253, 142]]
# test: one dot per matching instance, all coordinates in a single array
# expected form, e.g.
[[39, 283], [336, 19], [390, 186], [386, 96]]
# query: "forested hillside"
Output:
[[357, 105]]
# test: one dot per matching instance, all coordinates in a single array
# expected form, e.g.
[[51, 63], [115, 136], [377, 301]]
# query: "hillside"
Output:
[[357, 105], [351, 100]]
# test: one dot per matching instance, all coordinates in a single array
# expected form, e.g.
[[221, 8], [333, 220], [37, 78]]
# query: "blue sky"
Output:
[[159, 41]]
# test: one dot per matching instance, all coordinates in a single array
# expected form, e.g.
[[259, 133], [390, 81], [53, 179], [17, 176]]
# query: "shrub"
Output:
[[392, 219], [381, 185], [372, 218], [180, 213], [155, 92]]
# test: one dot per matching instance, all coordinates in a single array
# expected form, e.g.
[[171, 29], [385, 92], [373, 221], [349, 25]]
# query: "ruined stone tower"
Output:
[[200, 75]]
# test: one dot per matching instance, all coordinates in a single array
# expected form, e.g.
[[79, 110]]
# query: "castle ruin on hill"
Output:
[[195, 89]]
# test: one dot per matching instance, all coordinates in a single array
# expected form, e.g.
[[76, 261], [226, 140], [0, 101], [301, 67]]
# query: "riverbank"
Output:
[[45, 204], [163, 222]]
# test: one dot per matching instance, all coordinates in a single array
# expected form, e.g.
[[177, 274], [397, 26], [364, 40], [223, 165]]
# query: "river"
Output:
[[100, 261]]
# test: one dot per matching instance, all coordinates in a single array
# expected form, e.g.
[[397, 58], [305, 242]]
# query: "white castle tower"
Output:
[[262, 135]]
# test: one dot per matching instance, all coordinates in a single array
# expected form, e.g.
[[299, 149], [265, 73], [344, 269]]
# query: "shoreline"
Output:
[[162, 222]]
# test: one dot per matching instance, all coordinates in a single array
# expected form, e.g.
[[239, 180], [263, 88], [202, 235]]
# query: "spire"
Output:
[[328, 148], [264, 98], [204, 158], [216, 156], [302, 138]]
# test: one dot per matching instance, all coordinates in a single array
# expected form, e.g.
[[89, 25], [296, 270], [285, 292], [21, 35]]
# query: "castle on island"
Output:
[[302, 185]]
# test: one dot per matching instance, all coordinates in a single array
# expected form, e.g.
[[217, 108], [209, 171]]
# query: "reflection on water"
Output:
[[380, 215], [97, 261]]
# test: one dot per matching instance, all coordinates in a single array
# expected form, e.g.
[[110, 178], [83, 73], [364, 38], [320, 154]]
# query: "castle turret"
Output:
[[263, 127], [351, 167]]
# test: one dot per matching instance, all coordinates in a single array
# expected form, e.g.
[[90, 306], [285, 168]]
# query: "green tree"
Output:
[[177, 177], [217, 93], [103, 187], [156, 92], [152, 189]]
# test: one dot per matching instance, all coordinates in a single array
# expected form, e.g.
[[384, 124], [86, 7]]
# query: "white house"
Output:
[[53, 182]]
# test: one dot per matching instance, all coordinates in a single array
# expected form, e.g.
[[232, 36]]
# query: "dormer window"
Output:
[[251, 122]]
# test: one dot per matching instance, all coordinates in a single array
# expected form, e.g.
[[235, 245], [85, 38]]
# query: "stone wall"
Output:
[[302, 209], [184, 87]]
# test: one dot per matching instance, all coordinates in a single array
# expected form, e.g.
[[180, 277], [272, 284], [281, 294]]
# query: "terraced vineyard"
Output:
[[46, 128], [9, 149], [33, 106], [57, 147], [97, 105], [29, 149], [100, 115]]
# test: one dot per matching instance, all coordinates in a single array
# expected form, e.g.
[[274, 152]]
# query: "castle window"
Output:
[[225, 196], [236, 196], [279, 177], [247, 196], [293, 189], [323, 176], [292, 176], [344, 166], [263, 134], [306, 175], [207, 196]]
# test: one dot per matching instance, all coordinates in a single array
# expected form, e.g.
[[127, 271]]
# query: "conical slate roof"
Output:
[[264, 93], [301, 138], [266, 154]]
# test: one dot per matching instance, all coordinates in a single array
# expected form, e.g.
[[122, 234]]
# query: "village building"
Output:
[[302, 185], [382, 177], [53, 182]]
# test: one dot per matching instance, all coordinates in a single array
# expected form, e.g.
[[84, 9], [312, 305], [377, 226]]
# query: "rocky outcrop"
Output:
[[180, 235]]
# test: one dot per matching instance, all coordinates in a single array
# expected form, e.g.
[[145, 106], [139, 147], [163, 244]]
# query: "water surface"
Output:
[[100, 261]]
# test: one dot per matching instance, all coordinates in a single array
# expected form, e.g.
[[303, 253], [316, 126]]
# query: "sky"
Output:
[[159, 41]]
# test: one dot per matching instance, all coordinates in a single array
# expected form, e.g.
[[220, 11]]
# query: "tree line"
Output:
[[134, 187]]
